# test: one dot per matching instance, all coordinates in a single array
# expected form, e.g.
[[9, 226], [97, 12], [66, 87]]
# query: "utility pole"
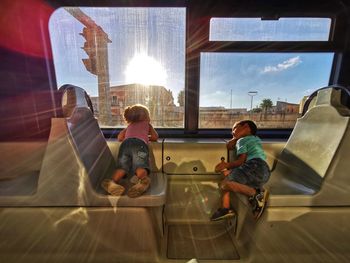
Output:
[[97, 61]]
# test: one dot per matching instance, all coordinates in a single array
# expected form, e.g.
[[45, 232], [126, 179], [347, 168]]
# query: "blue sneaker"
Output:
[[222, 213]]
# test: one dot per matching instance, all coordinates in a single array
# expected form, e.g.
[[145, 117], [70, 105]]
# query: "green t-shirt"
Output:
[[251, 145]]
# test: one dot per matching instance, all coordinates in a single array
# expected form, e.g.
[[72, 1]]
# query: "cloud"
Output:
[[219, 93], [289, 63]]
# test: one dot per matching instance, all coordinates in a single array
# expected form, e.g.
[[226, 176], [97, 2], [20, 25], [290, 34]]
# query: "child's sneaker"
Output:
[[252, 203], [134, 179], [112, 188], [222, 213], [140, 187], [260, 200]]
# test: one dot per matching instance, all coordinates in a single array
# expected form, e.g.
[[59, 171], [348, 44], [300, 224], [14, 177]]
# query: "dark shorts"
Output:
[[133, 154], [254, 173]]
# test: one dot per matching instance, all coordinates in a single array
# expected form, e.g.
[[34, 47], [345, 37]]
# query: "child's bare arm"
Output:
[[231, 144], [229, 165], [153, 134], [236, 163], [121, 135]]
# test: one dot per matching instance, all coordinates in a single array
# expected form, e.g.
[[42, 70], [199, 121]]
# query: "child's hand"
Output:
[[221, 166]]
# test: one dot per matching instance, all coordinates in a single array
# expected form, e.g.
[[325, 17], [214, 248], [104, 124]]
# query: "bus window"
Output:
[[282, 29], [142, 59], [265, 87]]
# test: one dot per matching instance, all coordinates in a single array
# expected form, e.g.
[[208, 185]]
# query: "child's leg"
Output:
[[227, 186], [141, 173], [257, 199], [224, 211], [118, 174], [140, 164], [237, 187], [226, 199]]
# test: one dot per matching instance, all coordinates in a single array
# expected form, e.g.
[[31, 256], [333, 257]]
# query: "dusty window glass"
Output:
[[123, 56], [265, 87], [283, 29]]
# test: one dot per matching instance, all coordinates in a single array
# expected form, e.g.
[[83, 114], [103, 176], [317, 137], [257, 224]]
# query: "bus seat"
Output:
[[91, 147], [319, 138], [20, 164], [92, 152], [75, 161]]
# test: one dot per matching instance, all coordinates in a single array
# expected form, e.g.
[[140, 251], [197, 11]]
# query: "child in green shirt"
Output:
[[247, 174]]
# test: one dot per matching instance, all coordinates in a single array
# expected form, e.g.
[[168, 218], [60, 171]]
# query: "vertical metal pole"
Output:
[[251, 102]]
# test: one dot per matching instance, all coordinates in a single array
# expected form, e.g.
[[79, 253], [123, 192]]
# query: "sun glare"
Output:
[[143, 69]]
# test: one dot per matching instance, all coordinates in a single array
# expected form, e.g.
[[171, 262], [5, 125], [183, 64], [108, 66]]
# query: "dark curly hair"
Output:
[[251, 124]]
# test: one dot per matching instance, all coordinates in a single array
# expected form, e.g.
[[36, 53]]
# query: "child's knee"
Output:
[[119, 173], [141, 172], [231, 186], [224, 185]]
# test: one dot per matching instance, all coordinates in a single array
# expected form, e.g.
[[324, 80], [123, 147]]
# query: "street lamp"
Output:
[[252, 94]]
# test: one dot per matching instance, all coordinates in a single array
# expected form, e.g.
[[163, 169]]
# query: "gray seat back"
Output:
[[303, 163], [87, 136]]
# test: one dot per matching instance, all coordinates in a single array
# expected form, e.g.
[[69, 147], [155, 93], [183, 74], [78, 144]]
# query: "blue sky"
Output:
[[160, 34], [277, 76]]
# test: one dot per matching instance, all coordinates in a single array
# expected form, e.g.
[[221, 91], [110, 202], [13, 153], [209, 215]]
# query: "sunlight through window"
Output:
[[145, 70]]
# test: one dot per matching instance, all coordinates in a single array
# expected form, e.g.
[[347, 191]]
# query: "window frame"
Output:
[[334, 45], [275, 19], [197, 41]]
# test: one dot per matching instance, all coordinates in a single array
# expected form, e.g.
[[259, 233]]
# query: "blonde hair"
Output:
[[136, 113]]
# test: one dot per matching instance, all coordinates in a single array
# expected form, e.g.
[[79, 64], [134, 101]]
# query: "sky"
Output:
[[148, 45], [276, 76]]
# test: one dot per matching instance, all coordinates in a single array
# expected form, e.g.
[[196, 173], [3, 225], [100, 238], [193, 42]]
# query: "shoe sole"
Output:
[[112, 188], [223, 217], [134, 180], [137, 190], [262, 209]]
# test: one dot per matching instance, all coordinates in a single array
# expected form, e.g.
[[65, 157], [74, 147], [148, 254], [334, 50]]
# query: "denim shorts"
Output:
[[133, 154], [254, 173]]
